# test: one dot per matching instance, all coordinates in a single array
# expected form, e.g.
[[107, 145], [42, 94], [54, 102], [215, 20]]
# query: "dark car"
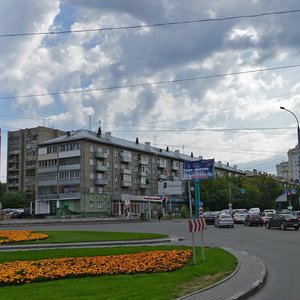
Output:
[[253, 219], [210, 218], [283, 221]]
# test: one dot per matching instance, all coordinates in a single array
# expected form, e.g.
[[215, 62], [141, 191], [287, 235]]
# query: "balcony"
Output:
[[72, 195], [126, 171], [144, 161], [101, 155], [174, 167], [69, 167], [70, 181], [162, 164], [125, 158], [52, 169], [163, 176], [101, 168], [47, 182], [143, 174], [143, 185], [126, 183], [47, 196], [72, 153], [101, 182]]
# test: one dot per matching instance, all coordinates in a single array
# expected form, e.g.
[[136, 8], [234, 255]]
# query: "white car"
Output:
[[239, 217], [224, 220]]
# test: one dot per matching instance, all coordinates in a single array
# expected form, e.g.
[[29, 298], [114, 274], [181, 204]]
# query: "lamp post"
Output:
[[298, 135]]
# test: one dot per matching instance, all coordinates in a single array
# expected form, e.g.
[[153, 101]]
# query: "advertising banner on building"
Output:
[[170, 188], [198, 169]]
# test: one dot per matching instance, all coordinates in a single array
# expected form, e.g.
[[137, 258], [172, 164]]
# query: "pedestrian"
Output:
[[159, 215]]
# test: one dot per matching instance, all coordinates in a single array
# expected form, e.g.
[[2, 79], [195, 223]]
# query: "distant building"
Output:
[[282, 170], [22, 148], [293, 164]]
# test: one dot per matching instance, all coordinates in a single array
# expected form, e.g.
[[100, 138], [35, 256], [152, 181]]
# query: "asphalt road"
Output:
[[278, 250]]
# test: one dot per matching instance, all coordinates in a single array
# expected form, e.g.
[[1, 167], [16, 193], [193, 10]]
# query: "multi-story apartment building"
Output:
[[294, 164], [89, 173], [282, 170], [22, 157]]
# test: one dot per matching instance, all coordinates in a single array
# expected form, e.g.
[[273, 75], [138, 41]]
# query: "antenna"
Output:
[[90, 123]]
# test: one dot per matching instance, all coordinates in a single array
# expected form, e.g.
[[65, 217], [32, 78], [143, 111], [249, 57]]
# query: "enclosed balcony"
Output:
[[101, 181], [101, 154], [101, 168]]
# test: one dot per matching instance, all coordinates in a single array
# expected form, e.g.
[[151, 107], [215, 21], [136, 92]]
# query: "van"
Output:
[[254, 211]]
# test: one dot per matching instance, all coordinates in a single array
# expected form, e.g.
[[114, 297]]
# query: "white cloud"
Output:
[[106, 59]]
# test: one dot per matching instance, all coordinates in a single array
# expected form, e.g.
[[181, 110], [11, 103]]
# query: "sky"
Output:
[[204, 77]]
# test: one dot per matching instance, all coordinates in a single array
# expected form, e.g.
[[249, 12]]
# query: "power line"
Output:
[[152, 83], [152, 25]]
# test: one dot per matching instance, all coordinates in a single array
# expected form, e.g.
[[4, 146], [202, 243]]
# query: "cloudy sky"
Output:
[[206, 76]]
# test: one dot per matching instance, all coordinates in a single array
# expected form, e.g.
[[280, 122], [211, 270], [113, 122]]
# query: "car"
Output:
[[254, 210], [209, 218], [296, 214], [224, 220], [283, 221], [270, 210], [239, 217], [267, 216], [253, 219]]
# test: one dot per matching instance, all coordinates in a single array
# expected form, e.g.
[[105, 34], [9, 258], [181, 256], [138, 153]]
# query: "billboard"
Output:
[[170, 188], [198, 169]]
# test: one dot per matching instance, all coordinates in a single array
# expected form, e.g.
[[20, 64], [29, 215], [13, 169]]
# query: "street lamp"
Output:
[[298, 135]]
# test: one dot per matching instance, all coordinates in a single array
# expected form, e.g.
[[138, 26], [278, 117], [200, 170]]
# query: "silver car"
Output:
[[224, 220]]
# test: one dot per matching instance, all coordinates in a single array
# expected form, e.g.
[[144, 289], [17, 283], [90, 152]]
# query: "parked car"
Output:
[[270, 210], [267, 216], [296, 214], [239, 217], [283, 221], [224, 220], [210, 218], [254, 210], [253, 219]]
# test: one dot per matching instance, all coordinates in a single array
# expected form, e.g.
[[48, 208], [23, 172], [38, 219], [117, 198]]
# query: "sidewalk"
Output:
[[249, 276]]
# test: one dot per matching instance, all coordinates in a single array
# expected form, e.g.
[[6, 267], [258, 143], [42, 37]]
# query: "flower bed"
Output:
[[12, 236], [18, 272]]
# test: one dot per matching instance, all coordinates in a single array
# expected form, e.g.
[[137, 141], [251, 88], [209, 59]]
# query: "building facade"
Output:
[[22, 149], [98, 174], [294, 164]]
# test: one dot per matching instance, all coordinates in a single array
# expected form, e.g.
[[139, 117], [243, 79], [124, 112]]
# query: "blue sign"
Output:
[[198, 169]]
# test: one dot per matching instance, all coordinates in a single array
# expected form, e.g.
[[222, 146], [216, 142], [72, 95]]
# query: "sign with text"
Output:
[[198, 169]]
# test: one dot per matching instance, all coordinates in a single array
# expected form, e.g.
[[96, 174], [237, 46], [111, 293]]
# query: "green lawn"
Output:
[[157, 286]]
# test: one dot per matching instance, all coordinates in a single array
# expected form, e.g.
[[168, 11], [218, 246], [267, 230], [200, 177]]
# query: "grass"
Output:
[[92, 236], [159, 286]]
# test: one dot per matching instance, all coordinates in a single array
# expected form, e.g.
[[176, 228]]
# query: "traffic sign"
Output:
[[197, 225]]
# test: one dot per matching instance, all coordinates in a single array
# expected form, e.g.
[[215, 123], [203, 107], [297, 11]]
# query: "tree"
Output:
[[13, 199]]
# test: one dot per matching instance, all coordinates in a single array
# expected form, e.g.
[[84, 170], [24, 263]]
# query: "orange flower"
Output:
[[49, 269], [12, 236]]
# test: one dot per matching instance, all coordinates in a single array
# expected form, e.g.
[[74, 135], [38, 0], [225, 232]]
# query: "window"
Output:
[[116, 178], [116, 154], [92, 190], [92, 204], [91, 148], [92, 176], [99, 204], [100, 190], [91, 162]]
